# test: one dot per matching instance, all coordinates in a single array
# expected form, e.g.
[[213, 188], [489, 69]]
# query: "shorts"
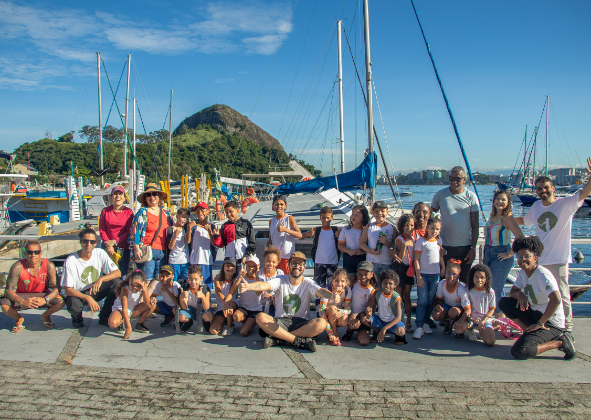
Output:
[[350, 262], [55, 301], [191, 312], [401, 271], [377, 322], [288, 324], [120, 309], [165, 308], [250, 314], [447, 307]]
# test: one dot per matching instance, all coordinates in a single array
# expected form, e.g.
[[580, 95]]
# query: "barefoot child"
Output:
[[337, 309], [349, 241], [428, 269], [200, 236], [178, 249], [377, 238], [249, 304], [451, 299], [325, 252], [403, 256], [169, 290], [225, 288], [195, 302], [362, 292], [283, 231], [482, 304], [133, 301], [271, 258]]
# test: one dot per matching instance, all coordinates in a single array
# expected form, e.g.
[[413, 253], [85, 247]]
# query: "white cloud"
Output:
[[223, 80]]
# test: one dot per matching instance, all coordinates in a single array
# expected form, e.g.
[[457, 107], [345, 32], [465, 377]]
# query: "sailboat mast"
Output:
[[547, 112], [170, 136], [368, 88], [100, 109], [525, 157], [340, 78], [126, 112], [132, 180]]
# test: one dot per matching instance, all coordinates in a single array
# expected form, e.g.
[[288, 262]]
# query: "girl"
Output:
[[349, 241], [362, 292], [226, 285], [428, 267], [498, 255], [482, 303], [451, 299], [130, 292], [403, 255], [249, 304], [189, 301], [271, 258], [422, 214], [337, 309]]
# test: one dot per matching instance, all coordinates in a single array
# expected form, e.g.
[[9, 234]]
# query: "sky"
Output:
[[276, 62]]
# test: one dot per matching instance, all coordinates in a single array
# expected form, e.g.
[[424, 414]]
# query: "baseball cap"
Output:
[[365, 265], [254, 259], [379, 205], [229, 260], [118, 188], [167, 268], [280, 197], [201, 204], [299, 255]]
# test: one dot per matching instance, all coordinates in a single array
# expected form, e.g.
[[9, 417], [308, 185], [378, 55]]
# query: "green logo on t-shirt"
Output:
[[547, 221], [291, 304], [529, 292], [89, 275]]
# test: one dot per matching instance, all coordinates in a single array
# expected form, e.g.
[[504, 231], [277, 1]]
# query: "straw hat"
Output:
[[151, 187]]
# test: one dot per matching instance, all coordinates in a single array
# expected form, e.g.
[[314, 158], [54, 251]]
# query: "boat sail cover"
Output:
[[363, 175]]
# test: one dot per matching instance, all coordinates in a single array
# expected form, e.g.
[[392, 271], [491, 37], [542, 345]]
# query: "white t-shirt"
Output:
[[250, 300], [409, 253], [326, 253], [430, 255], [457, 297], [345, 297], [79, 274], [192, 299], [350, 237], [537, 288], [455, 209], [200, 247], [133, 299], [360, 297], [293, 301], [373, 232], [282, 240], [384, 310], [481, 301], [263, 277], [178, 254], [553, 225], [174, 289]]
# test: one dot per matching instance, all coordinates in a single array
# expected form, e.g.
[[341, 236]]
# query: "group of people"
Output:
[[370, 294]]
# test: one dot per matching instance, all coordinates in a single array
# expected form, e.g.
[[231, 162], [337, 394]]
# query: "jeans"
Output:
[[152, 268], [378, 269], [425, 296], [458, 253], [500, 269], [181, 272], [124, 263]]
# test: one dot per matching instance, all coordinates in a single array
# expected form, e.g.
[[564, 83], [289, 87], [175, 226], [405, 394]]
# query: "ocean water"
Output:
[[581, 229]]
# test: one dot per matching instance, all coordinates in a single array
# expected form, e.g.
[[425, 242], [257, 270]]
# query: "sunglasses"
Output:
[[37, 252], [456, 178], [452, 275], [151, 194], [88, 241]]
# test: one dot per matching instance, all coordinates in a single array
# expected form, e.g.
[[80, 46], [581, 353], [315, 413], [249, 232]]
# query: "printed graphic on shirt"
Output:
[[530, 294], [89, 275], [291, 304], [547, 221]]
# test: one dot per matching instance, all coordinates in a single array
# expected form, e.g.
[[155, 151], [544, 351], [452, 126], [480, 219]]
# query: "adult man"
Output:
[[27, 287], [293, 293], [552, 219], [459, 220], [83, 283]]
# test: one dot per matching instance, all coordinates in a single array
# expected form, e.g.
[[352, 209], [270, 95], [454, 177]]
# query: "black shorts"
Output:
[[250, 314], [220, 313], [401, 271], [350, 262], [288, 324]]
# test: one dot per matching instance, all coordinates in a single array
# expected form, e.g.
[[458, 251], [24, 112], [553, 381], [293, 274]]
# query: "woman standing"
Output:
[[498, 255], [115, 222], [149, 229]]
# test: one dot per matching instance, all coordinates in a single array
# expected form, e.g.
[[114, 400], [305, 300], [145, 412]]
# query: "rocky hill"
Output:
[[225, 119]]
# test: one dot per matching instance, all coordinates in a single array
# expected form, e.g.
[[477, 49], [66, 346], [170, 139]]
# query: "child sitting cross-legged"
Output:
[[337, 309], [195, 301], [226, 286], [451, 300], [388, 312], [249, 303], [482, 305]]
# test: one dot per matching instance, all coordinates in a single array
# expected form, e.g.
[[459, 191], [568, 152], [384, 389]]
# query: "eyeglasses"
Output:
[[152, 194], [524, 257], [36, 252], [456, 178], [452, 275], [88, 241], [298, 264]]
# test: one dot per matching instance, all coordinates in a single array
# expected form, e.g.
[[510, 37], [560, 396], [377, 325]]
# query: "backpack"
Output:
[[315, 243]]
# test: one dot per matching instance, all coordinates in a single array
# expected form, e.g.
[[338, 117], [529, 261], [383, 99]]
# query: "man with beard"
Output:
[[552, 218], [293, 293]]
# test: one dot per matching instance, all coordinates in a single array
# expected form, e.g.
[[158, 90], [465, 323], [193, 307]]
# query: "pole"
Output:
[[368, 88], [133, 180], [100, 109], [170, 136], [340, 78], [125, 134], [524, 157], [547, 112]]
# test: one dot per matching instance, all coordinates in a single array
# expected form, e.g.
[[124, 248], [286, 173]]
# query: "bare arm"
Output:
[[11, 283], [173, 239], [586, 190], [183, 299], [189, 233], [257, 286], [205, 300], [52, 280], [519, 220], [363, 241], [511, 223], [295, 232], [323, 293]]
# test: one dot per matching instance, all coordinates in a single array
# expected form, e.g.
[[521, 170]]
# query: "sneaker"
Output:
[[427, 329], [568, 347], [305, 344], [227, 330], [78, 324], [418, 333], [348, 335], [400, 340], [431, 324], [271, 342], [572, 337], [141, 328], [168, 320], [120, 329], [206, 326], [472, 335], [186, 326]]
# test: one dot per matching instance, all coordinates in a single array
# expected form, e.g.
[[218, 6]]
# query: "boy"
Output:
[[195, 302], [169, 290], [236, 235], [200, 237], [283, 231], [388, 316], [325, 249], [377, 237], [177, 246]]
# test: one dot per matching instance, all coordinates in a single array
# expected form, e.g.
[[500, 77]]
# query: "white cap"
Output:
[[254, 259]]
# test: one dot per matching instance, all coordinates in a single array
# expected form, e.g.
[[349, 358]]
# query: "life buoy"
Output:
[[305, 179], [250, 191], [248, 201], [107, 185], [219, 208]]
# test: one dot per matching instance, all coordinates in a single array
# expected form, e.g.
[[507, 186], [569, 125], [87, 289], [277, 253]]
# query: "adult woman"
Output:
[[422, 213], [115, 222], [498, 255], [149, 229]]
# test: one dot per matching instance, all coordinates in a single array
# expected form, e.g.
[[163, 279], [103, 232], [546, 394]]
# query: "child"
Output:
[[349, 241], [482, 304], [388, 314], [377, 237], [362, 292], [169, 290], [271, 258], [225, 287], [177, 246], [249, 303], [200, 236], [128, 305], [451, 300], [325, 253], [337, 309], [283, 231], [195, 301], [236, 235], [428, 269], [403, 255]]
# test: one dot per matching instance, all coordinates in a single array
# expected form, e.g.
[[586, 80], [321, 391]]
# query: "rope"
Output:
[[150, 147]]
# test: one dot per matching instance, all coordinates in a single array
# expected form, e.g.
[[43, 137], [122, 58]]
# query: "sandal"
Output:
[[17, 329], [335, 342], [409, 329], [447, 329], [47, 324], [460, 335]]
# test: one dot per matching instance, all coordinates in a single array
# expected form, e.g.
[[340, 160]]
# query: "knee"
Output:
[[506, 304], [523, 352], [182, 318], [207, 316], [400, 331], [489, 342], [262, 318], [5, 307]]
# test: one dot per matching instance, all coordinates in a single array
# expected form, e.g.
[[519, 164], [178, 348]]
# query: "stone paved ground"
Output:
[[31, 390]]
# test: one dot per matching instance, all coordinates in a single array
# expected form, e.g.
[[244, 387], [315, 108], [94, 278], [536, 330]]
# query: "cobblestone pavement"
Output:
[[31, 390]]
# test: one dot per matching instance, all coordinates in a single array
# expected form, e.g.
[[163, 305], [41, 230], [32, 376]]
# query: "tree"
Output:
[[67, 138]]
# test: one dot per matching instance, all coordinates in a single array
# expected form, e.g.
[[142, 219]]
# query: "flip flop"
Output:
[[47, 324], [18, 329], [335, 342], [447, 329]]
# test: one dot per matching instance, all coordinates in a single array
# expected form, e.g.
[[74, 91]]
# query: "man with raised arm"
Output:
[[293, 294]]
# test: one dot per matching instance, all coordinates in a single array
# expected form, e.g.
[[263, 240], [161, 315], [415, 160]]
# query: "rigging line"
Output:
[[80, 103], [555, 115], [453, 122], [116, 91], [137, 73], [154, 163], [303, 149]]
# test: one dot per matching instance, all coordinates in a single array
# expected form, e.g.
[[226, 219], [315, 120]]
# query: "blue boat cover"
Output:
[[364, 174]]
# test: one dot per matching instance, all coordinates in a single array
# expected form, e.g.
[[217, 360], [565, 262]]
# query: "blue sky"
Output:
[[497, 61]]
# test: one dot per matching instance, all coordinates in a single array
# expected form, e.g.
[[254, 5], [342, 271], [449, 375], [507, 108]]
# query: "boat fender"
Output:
[[579, 256]]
